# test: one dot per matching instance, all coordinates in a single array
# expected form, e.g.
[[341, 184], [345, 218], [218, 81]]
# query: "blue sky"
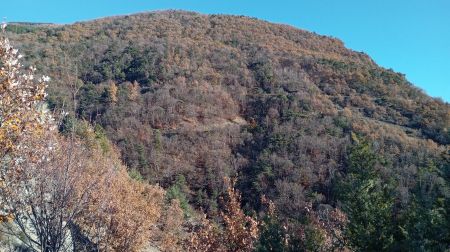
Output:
[[409, 36]]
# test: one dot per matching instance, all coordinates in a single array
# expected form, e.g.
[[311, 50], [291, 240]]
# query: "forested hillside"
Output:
[[329, 150]]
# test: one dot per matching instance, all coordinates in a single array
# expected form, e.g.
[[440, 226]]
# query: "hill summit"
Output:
[[189, 99]]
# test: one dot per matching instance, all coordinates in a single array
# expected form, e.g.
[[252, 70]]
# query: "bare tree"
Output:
[[51, 185], [45, 196]]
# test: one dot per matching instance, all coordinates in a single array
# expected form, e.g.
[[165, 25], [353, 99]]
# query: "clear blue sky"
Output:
[[410, 36]]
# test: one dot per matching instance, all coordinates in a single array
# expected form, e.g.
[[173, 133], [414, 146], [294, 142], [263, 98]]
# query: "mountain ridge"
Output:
[[167, 87], [168, 11]]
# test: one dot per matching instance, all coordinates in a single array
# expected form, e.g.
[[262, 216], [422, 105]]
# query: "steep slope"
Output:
[[211, 96]]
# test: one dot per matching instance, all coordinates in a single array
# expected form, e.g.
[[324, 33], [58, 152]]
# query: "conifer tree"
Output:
[[367, 201]]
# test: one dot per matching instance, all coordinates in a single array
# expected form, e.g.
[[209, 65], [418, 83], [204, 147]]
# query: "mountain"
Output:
[[190, 99]]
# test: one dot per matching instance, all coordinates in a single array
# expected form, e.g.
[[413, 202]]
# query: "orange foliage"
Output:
[[239, 233]]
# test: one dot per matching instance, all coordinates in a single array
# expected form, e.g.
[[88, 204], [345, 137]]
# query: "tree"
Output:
[[22, 110], [112, 92], [178, 192], [54, 186], [426, 218], [272, 232], [133, 91], [48, 191], [367, 201], [122, 212], [31, 196], [240, 232], [321, 231], [172, 236]]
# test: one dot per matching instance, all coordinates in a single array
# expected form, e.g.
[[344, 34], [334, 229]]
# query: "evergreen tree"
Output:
[[367, 201], [426, 220]]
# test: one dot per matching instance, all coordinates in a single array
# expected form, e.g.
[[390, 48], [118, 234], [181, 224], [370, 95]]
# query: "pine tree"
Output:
[[367, 201]]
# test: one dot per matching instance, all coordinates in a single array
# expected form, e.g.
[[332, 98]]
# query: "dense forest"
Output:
[[258, 136]]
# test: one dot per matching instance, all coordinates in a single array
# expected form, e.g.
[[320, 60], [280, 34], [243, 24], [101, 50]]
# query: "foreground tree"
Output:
[[367, 200], [239, 233], [121, 213], [27, 144], [48, 191], [56, 189], [22, 109], [426, 219], [321, 231], [379, 219]]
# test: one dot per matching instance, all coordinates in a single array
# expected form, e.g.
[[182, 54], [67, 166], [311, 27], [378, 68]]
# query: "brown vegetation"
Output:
[[166, 87]]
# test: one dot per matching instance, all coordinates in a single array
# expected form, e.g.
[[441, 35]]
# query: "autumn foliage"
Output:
[[121, 212], [21, 100], [188, 99], [238, 233], [52, 185]]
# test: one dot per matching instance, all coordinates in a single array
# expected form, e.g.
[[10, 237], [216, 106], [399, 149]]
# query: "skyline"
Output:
[[411, 37]]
